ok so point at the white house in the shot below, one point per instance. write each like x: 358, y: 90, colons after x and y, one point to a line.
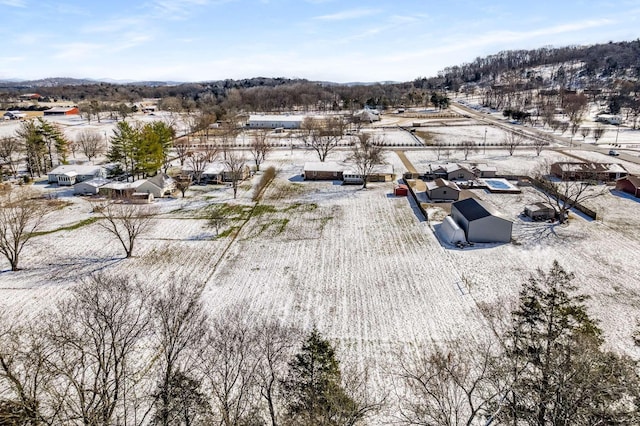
x: 69, y: 174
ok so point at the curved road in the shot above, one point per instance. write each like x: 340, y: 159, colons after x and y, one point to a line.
x: 533, y: 132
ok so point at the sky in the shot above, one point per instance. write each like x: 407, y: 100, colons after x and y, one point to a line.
x: 321, y: 40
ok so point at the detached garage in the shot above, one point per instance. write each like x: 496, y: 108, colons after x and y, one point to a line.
x: 480, y: 222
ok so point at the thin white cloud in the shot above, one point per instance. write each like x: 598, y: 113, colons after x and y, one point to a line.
x: 14, y: 3
x: 181, y: 9
x: 348, y: 14
x: 77, y: 50
x: 112, y: 26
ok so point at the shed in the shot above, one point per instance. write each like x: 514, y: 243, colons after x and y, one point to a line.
x: 89, y: 187
x: 539, y: 211
x: 480, y: 222
x: 629, y: 184
x: 442, y: 190
x: 451, y: 232
x: 401, y: 191
x: 484, y: 170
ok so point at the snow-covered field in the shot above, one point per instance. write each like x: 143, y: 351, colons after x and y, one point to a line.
x: 361, y: 265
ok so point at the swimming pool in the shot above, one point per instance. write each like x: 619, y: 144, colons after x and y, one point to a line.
x: 500, y: 185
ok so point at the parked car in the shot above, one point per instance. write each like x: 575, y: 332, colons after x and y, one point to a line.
x: 613, y: 152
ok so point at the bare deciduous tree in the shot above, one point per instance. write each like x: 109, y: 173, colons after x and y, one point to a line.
x: 598, y: 132
x: 182, y: 147
x: 98, y: 334
x: 25, y: 375
x: 584, y: 132
x: 563, y: 195
x: 180, y: 331
x: 260, y: 147
x: 126, y: 222
x: 322, y: 135
x: 276, y: 344
x: 540, y: 142
x: 468, y: 147
x: 366, y: 155
x: 91, y: 143
x: 235, y: 168
x: 229, y: 365
x: 10, y: 149
x: 512, y: 140
x: 454, y: 385
x: 21, y: 214
x: 183, y: 183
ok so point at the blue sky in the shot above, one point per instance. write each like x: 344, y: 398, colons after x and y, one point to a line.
x: 331, y: 40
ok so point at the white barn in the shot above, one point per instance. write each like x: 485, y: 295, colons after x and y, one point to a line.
x: 480, y: 222
x: 275, y: 121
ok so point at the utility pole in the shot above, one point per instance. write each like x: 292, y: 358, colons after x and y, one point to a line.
x: 484, y: 144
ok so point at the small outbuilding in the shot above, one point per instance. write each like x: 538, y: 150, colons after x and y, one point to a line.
x: 629, y: 184
x: 481, y: 223
x: 401, y: 191
x: 442, y: 190
x: 539, y: 211
x: 450, y: 232
x: 484, y: 170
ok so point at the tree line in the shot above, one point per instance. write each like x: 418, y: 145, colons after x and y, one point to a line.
x: 118, y: 351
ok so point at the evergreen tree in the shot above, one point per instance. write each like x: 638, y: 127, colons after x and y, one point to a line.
x: 557, y: 372
x: 314, y: 391
x: 124, y: 141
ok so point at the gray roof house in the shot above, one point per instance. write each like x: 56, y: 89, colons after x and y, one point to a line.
x: 442, y: 190
x: 160, y: 185
x: 480, y: 222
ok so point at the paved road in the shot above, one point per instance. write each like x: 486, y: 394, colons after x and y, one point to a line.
x: 568, y: 143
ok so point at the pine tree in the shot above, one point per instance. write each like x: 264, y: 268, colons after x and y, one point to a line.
x: 314, y: 392
x: 557, y: 371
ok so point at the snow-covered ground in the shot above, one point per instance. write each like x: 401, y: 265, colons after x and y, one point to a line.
x: 361, y: 265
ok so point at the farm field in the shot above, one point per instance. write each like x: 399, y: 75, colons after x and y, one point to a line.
x: 363, y: 266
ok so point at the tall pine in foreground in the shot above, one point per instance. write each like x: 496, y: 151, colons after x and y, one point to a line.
x: 558, y: 373
x: 314, y: 391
